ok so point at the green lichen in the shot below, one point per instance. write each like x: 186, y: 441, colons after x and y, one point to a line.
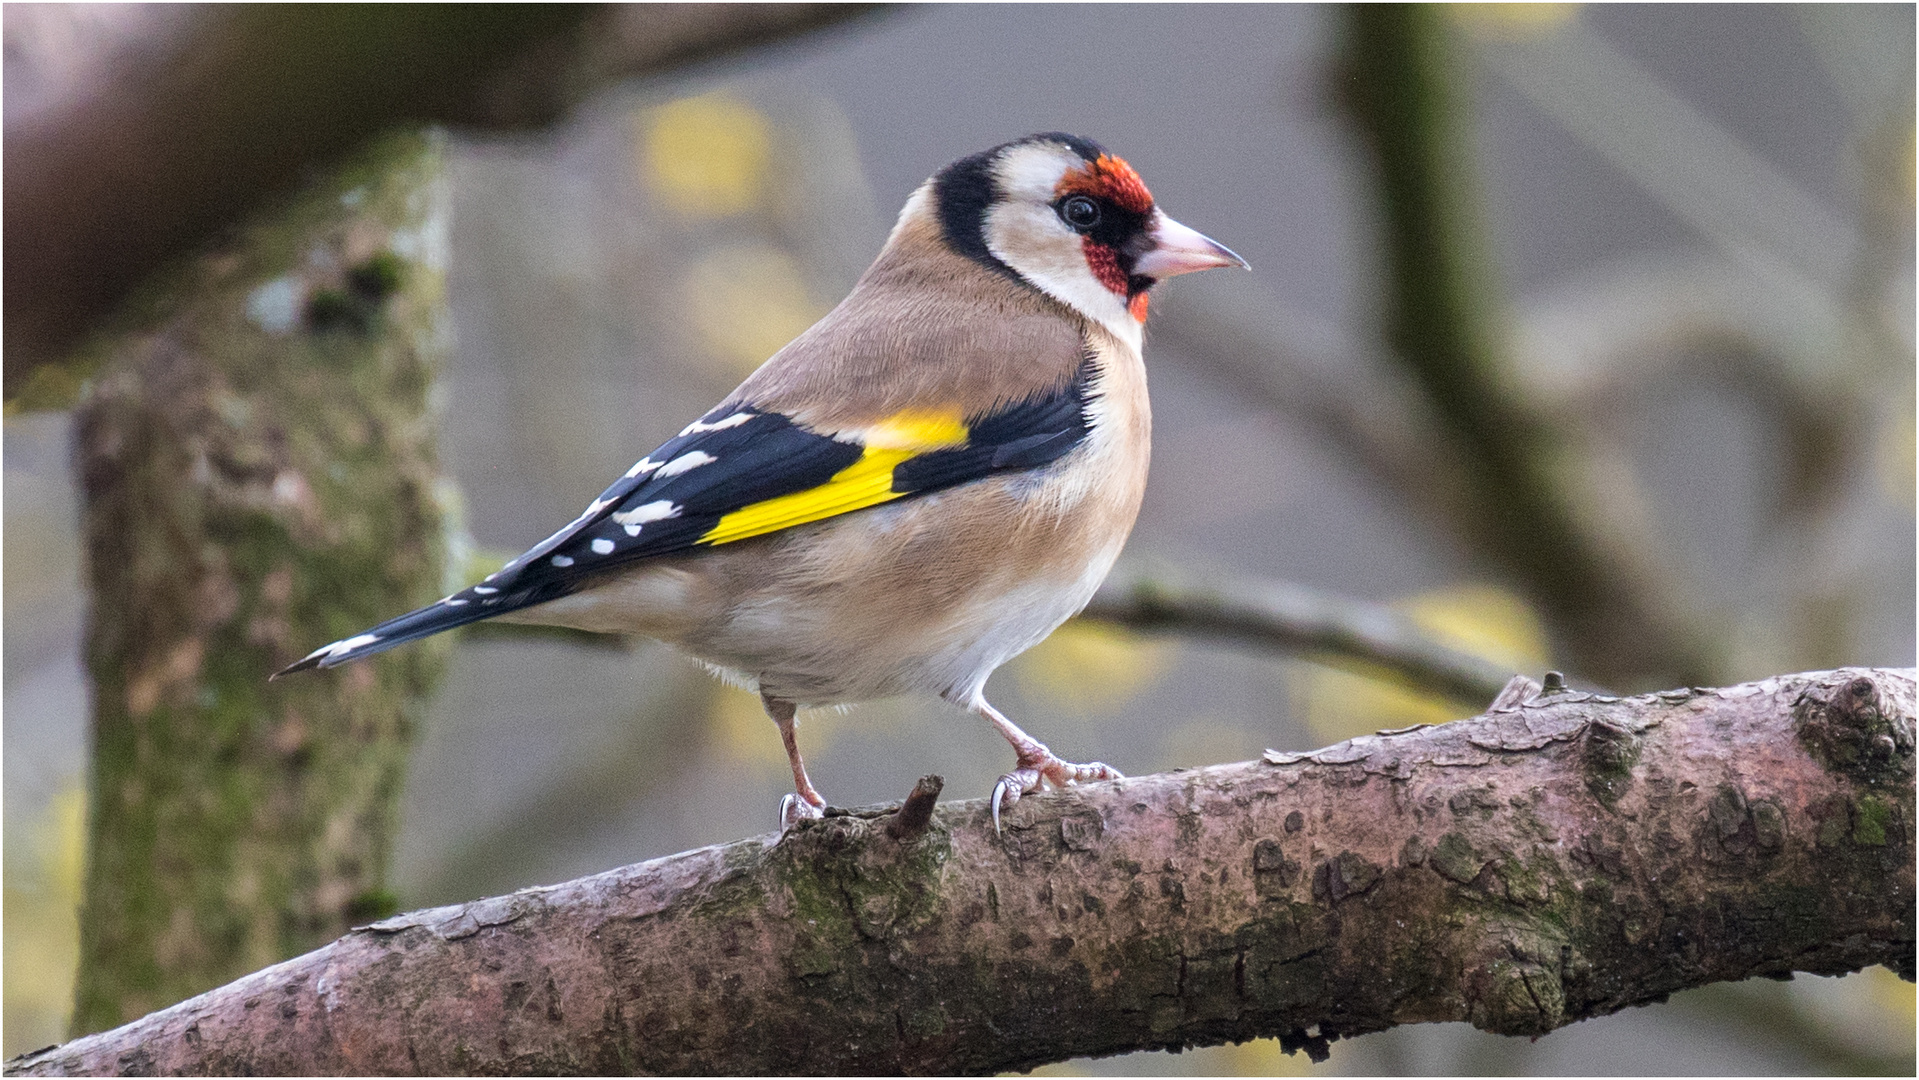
x: 1521, y: 998
x: 1529, y: 879
x: 1347, y: 874
x: 1455, y: 859
x: 1608, y: 756
x: 924, y: 1023
x: 1848, y: 729
x: 1870, y: 818
x: 849, y: 890
x: 382, y: 275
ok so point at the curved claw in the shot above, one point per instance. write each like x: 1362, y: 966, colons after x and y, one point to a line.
x: 1040, y: 773
x: 795, y: 809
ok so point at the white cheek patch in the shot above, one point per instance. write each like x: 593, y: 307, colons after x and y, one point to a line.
x: 1034, y: 242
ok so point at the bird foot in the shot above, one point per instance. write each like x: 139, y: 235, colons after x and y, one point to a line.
x: 1044, y: 770
x: 796, y: 808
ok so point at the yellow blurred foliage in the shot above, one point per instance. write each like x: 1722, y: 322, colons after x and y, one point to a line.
x: 746, y: 301
x: 706, y: 156
x: 1256, y: 1057
x: 747, y: 736
x: 1898, y: 448
x: 1869, y: 1012
x: 1895, y: 1000
x: 1476, y: 619
x: 1263, y: 1057
x: 1512, y: 21
x: 42, y: 924
x: 1088, y: 667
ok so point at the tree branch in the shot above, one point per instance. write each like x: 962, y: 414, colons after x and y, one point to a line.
x: 195, y: 129
x: 1370, y: 639
x: 1563, y: 857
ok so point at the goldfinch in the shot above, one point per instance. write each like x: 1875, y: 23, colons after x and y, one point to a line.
x: 917, y: 489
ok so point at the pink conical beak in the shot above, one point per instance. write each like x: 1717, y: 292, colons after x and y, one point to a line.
x: 1180, y: 250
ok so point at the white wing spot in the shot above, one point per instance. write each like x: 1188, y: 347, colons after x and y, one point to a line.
x: 485, y: 590
x: 562, y: 560
x: 642, y: 466
x: 631, y: 530
x: 685, y: 463
x: 602, y: 547
x: 657, y: 510
x: 341, y: 648
x: 735, y: 420
x: 455, y: 602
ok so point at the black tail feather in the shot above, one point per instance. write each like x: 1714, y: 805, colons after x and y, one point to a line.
x: 466, y: 606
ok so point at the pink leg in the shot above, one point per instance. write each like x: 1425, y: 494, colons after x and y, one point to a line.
x: 804, y: 803
x: 1036, y: 764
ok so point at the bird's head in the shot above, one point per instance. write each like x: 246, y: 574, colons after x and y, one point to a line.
x: 1066, y: 217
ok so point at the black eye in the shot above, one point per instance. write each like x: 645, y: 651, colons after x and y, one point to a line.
x: 1079, y: 212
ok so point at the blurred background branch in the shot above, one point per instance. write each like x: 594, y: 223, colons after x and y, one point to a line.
x: 1369, y: 639
x: 215, y: 110
x: 1620, y: 615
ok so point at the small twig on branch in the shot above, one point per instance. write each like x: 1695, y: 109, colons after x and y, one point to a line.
x: 1368, y: 638
x: 1565, y: 857
x: 916, y: 813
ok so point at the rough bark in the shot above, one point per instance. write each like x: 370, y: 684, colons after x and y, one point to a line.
x: 258, y: 472
x: 196, y: 129
x: 1562, y: 856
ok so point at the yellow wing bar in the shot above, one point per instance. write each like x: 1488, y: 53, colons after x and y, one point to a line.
x: 866, y: 482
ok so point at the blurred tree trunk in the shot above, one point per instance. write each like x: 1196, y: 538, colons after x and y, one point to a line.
x: 1531, y: 511
x: 259, y: 476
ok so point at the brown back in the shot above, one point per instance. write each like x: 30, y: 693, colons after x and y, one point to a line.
x: 925, y: 328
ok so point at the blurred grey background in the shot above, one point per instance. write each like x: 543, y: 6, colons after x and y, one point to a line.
x: 1675, y: 198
